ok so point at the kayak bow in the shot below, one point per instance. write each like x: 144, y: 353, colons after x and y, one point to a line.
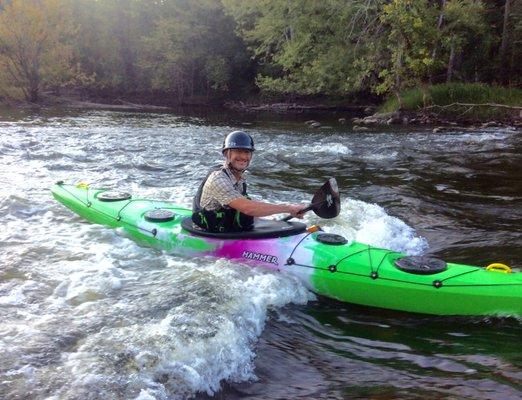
x: 326, y: 263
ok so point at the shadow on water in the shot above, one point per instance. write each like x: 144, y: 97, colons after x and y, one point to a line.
x: 333, y: 350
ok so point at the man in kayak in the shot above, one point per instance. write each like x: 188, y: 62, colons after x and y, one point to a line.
x: 221, y: 203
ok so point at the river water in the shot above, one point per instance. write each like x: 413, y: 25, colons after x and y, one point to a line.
x: 86, y: 313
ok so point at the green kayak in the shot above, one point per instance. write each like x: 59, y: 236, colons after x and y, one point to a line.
x: 327, y: 264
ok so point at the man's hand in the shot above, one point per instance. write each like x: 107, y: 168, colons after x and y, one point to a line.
x: 296, y: 210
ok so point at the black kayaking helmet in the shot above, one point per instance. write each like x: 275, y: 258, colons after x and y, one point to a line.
x: 238, y: 140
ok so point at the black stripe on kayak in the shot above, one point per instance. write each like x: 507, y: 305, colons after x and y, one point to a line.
x: 88, y: 204
x: 403, y: 281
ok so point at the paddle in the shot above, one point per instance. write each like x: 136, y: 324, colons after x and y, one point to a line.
x: 326, y: 202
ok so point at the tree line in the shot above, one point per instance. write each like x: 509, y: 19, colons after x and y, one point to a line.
x: 176, y: 50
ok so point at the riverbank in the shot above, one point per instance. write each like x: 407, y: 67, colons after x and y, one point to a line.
x: 297, y: 107
x: 450, y: 103
x: 162, y: 101
x: 428, y: 118
x: 76, y: 102
x: 440, y: 106
x: 369, y: 117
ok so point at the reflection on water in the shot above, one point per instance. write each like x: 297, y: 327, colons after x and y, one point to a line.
x: 87, y: 313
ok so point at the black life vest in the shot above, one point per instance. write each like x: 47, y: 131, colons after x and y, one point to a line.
x: 225, y: 219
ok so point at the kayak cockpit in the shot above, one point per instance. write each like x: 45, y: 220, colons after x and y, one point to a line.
x: 263, y: 229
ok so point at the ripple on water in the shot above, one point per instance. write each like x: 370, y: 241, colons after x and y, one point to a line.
x: 88, y: 313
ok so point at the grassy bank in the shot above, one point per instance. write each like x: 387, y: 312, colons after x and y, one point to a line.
x: 469, y: 101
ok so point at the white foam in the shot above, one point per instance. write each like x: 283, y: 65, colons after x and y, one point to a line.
x: 91, y: 284
x: 14, y: 296
x: 204, y: 338
x: 322, y: 148
x: 370, y: 224
x: 382, y: 156
x: 145, y: 395
x: 330, y: 148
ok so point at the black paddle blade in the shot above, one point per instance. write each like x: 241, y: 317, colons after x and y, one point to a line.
x: 326, y: 202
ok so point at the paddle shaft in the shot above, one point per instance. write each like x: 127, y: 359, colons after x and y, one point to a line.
x: 289, y: 217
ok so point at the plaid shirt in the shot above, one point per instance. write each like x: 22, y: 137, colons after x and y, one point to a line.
x: 220, y: 189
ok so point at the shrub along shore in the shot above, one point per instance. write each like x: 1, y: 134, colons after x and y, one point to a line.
x: 450, y: 103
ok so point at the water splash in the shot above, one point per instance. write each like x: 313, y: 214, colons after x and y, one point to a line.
x: 370, y: 224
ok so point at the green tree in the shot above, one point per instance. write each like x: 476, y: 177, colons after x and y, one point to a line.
x: 336, y: 47
x: 463, y: 24
x: 182, y: 48
x: 192, y: 49
x: 515, y: 73
x: 510, y: 42
x: 308, y: 47
x: 411, y: 37
x: 35, y: 51
x: 110, y: 40
x: 176, y: 48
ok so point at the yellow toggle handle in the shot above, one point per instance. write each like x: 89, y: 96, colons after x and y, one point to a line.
x: 498, y: 267
x: 82, y: 185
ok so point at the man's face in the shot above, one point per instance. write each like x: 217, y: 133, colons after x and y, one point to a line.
x: 239, y: 159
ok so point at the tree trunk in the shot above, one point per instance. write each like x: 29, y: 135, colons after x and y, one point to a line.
x: 33, y: 95
x: 503, y: 58
x: 399, y: 99
x: 426, y: 101
x: 398, y: 77
x: 192, y: 79
x: 451, y: 62
x: 439, y: 26
x: 33, y: 82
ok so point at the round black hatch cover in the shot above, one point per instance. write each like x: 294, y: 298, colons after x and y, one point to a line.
x: 331, y: 238
x: 159, y: 215
x: 421, y: 265
x: 113, y: 195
